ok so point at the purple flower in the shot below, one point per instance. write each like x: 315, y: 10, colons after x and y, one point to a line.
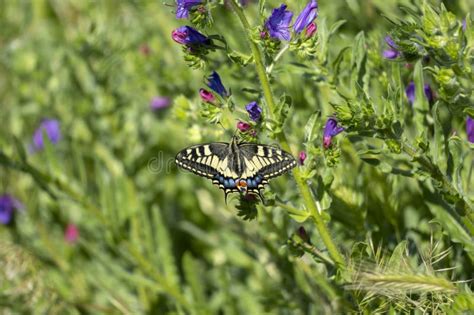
x: 53, y: 133
x: 159, y: 102
x: 464, y: 25
x: 7, y: 205
x: 393, y: 52
x: 428, y: 92
x: 183, y: 7
x: 302, y: 157
x: 214, y: 83
x: 278, y: 23
x: 71, y: 234
x: 206, y: 96
x: 470, y: 129
x: 311, y: 29
x: 255, y: 112
x: 186, y: 35
x: 410, y: 92
x: 306, y: 17
x: 330, y: 130
x: 243, y: 126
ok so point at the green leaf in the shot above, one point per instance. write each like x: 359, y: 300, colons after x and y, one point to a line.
x: 455, y: 145
x: 420, y: 105
x: 309, y: 129
x: 396, y: 261
x: 193, y: 273
x: 436, y: 149
x: 300, y: 217
x: 359, y: 62
x: 20, y: 149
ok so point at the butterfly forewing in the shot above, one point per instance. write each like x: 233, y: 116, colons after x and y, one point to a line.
x: 269, y: 161
x: 204, y: 159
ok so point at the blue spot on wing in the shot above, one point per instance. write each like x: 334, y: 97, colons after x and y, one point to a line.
x: 254, y: 181
x: 228, y: 182
x: 251, y: 183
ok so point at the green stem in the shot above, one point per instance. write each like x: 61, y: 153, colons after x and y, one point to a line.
x: 302, y: 185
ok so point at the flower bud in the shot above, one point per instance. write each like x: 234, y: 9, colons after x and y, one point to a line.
x: 206, y: 96
x: 243, y: 126
x: 302, y: 157
x: 311, y: 29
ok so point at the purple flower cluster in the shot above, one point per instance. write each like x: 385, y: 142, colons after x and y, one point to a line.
x: 278, y: 24
x: 159, y: 102
x: 8, y: 205
x: 331, y: 129
x: 50, y: 127
x: 254, y: 111
x: 183, y: 7
x: 206, y: 96
x: 470, y: 129
x: 243, y: 126
x: 189, y: 36
x: 306, y: 17
x: 214, y: 82
x: 392, y: 52
x: 71, y: 233
x: 410, y: 92
x: 302, y: 157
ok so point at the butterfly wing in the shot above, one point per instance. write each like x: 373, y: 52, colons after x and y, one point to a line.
x: 250, y: 164
x: 205, y: 160
x: 265, y: 160
x: 214, y: 161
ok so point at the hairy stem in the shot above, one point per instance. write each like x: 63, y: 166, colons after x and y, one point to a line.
x: 302, y: 184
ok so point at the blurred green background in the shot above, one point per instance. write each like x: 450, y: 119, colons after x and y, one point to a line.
x: 153, y: 239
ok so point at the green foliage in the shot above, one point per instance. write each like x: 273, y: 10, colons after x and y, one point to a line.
x: 380, y: 221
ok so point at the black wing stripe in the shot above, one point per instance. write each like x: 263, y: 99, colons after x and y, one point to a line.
x: 268, y: 161
x: 198, y: 158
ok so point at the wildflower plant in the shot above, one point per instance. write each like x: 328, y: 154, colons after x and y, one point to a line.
x: 374, y: 101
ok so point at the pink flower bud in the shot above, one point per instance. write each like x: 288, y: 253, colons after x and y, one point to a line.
x: 327, y: 141
x: 206, y: 96
x: 243, y: 126
x: 311, y: 29
x: 71, y: 234
x: 302, y: 157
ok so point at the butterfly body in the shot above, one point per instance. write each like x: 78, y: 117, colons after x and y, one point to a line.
x: 236, y: 167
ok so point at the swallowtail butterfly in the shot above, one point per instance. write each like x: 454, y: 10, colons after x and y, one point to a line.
x: 236, y: 166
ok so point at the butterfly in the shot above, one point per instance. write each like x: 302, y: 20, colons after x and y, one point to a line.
x: 236, y: 166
